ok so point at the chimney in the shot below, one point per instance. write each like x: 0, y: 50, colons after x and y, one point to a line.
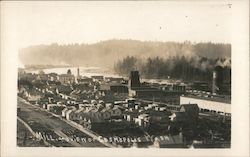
x: 217, y: 79
x: 134, y: 79
x: 78, y: 72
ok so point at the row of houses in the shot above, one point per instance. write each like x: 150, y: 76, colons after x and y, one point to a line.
x: 85, y: 112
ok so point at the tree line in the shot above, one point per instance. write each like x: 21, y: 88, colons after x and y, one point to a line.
x: 185, y: 68
x: 105, y: 53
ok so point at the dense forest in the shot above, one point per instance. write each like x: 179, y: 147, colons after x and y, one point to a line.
x: 106, y: 53
x: 192, y: 68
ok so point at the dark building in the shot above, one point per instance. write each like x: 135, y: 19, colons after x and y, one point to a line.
x: 149, y: 92
x: 134, y: 79
x: 201, y: 86
x: 186, y: 120
x: 114, y: 88
x: 221, y: 80
x: 118, y: 88
x: 191, y: 111
x: 146, y: 92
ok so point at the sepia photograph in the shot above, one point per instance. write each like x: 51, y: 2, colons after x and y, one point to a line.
x: 128, y: 74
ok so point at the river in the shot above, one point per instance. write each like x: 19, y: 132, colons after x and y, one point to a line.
x: 84, y: 71
x: 94, y: 71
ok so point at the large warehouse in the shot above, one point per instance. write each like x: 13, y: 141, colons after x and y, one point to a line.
x: 210, y: 104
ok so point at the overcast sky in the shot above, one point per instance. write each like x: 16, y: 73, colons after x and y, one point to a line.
x: 90, y: 22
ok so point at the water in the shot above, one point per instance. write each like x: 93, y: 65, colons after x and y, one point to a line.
x: 94, y: 71
x: 84, y: 71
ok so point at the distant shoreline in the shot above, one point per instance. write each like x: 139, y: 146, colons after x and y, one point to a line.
x: 40, y: 67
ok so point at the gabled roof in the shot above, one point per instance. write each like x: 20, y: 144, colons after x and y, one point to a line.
x: 178, y: 114
x: 191, y: 108
x: 65, y: 109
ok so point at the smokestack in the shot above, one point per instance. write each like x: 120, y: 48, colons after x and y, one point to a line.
x: 78, y: 72
x: 217, y: 79
x: 134, y: 79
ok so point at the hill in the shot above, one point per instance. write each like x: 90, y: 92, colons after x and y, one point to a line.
x: 106, y: 53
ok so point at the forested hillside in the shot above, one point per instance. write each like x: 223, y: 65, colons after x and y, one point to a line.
x: 106, y: 53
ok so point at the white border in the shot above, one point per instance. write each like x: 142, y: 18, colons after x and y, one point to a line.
x: 240, y: 99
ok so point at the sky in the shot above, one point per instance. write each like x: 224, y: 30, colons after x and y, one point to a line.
x: 66, y: 22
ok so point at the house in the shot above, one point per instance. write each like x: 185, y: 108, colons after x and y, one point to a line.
x: 93, y: 113
x: 70, y: 114
x: 143, y: 120
x: 115, y: 113
x: 129, y: 116
x: 188, y: 113
x: 64, y: 111
x: 49, y: 106
x: 191, y: 110
x: 162, y: 109
x: 130, y: 102
x: 178, y: 117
